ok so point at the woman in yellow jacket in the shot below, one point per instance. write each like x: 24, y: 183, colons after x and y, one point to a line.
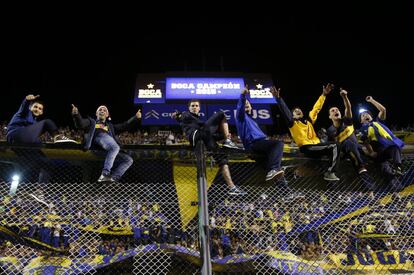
x: 304, y: 134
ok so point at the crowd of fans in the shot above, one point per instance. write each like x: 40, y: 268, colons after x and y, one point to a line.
x: 385, y: 227
x: 142, y: 137
x: 80, y: 229
x: 113, y: 246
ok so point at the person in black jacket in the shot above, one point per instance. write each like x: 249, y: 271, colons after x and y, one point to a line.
x: 342, y: 132
x: 101, y: 132
x: 209, y: 131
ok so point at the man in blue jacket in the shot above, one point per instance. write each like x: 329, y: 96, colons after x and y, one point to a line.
x: 255, y: 140
x: 25, y: 126
x: 100, y: 132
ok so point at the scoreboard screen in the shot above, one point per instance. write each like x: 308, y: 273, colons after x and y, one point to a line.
x: 160, y: 88
x: 149, y: 88
x: 203, y: 88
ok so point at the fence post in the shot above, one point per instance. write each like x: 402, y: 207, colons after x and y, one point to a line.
x: 203, y: 217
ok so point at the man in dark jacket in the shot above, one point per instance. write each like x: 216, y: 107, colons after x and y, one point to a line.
x: 25, y: 126
x: 101, y: 132
x: 342, y: 132
x: 255, y: 140
x: 210, y: 131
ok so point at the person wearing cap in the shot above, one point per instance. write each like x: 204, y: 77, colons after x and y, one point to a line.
x: 381, y: 143
x: 101, y: 133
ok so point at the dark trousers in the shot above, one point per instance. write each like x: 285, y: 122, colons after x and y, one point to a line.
x: 329, y: 149
x: 210, y: 134
x: 392, y: 154
x: 351, y: 149
x: 389, y: 158
x: 31, y: 134
x: 272, y: 149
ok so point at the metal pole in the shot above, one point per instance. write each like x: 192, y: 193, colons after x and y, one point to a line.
x: 203, y: 217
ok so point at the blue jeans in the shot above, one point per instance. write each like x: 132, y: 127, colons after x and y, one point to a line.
x: 121, y: 160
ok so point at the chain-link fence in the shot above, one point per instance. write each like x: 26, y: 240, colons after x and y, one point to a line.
x: 57, y: 219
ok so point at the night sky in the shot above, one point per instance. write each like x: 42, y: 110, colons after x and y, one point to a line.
x: 90, y: 61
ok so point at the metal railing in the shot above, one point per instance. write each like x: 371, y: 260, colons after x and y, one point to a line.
x: 55, y: 216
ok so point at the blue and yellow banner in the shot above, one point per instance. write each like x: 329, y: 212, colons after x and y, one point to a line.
x: 381, y: 262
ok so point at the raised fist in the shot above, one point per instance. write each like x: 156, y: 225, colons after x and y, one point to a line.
x: 327, y: 89
x: 75, y: 110
x: 138, y: 114
x: 342, y: 92
x: 32, y: 97
x: 245, y: 90
x: 275, y: 91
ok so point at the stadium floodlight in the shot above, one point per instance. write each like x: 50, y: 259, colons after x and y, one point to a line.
x: 362, y: 110
x: 14, y: 184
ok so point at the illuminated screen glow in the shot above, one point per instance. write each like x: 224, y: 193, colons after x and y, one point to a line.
x: 203, y: 88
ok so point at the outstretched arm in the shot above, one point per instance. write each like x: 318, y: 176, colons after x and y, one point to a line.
x: 347, y: 103
x: 382, y: 111
x: 242, y: 103
x: 121, y: 127
x: 284, y: 109
x: 177, y: 115
x: 80, y: 123
x: 24, y: 107
x: 313, y: 115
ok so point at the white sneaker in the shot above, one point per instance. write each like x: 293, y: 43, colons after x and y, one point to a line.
x: 104, y: 178
x: 230, y: 144
x: 362, y: 170
x: 237, y: 191
x: 275, y: 173
x: 62, y: 138
x: 330, y: 176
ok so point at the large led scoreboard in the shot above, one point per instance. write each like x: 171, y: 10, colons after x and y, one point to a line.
x: 161, y: 95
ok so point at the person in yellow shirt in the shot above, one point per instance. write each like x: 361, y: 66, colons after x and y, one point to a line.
x: 303, y: 133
